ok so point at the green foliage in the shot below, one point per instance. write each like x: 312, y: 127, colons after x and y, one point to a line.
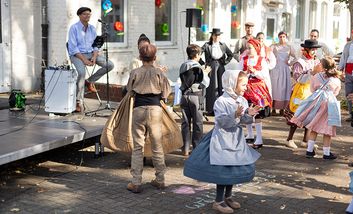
x: 344, y: 105
x: 344, y: 1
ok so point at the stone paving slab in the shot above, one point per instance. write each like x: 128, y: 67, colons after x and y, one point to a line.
x: 70, y: 180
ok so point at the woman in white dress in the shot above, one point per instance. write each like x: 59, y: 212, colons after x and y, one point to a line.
x: 281, y: 74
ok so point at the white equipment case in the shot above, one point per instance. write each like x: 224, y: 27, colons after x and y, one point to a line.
x: 60, y: 90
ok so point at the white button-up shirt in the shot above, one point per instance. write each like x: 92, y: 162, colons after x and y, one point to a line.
x: 216, y: 51
x: 81, y: 39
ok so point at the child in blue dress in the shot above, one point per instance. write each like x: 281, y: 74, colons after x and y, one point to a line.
x: 223, y: 157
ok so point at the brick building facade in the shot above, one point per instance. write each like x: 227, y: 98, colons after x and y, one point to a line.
x: 21, y: 47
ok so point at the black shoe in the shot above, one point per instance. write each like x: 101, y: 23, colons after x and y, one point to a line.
x: 329, y: 157
x: 144, y: 161
x: 249, y: 140
x: 350, y: 164
x: 310, y: 154
x: 209, y: 113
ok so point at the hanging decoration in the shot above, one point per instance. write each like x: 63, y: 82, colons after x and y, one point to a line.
x: 120, y: 33
x: 201, y: 8
x: 165, y: 29
x: 235, y: 24
x: 233, y: 9
x: 107, y: 7
x: 204, y: 28
x: 158, y: 3
x: 118, y: 26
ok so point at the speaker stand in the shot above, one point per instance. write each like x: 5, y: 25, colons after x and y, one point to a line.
x: 189, y: 36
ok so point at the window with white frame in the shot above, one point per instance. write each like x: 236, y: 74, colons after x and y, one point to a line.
x: 312, y: 14
x: 202, y: 34
x: 113, y: 13
x: 236, y: 19
x: 270, y: 28
x: 299, y: 28
x: 0, y: 26
x: 323, y: 19
x: 336, y: 19
x: 286, y: 23
x: 163, y: 20
x: 336, y: 10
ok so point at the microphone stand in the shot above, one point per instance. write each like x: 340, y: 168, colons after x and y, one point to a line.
x: 105, y: 39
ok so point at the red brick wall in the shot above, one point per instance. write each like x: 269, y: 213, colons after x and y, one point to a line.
x: 115, y: 92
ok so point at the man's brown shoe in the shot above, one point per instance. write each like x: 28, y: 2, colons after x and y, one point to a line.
x: 158, y: 185
x: 90, y: 87
x: 134, y: 188
x: 78, y: 107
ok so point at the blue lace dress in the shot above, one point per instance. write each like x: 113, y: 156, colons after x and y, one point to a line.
x: 223, y: 157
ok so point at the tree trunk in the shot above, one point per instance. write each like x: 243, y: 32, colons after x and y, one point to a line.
x: 350, y: 7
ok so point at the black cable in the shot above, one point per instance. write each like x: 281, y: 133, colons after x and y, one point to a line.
x: 39, y: 104
x: 57, y: 79
x: 16, y: 130
x: 37, y: 111
x: 79, y: 124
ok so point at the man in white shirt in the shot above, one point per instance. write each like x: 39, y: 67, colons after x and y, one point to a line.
x: 346, y: 64
x: 240, y: 46
x: 324, y: 50
x: 80, y: 44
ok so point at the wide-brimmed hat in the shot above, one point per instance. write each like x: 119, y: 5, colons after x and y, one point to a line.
x: 216, y: 31
x: 310, y: 43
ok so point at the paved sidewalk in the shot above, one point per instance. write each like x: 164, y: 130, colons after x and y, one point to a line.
x: 69, y: 180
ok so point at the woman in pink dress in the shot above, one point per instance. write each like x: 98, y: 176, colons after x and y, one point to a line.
x: 280, y: 75
x: 319, y: 112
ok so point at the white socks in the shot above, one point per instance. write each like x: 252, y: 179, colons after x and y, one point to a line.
x: 258, y: 127
x: 326, y: 150
x: 250, y: 134
x: 311, y: 145
x: 350, y: 207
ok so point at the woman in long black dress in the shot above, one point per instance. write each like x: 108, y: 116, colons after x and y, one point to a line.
x: 217, y: 55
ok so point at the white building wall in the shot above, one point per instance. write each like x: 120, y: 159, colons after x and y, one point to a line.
x: 57, y: 31
x: 140, y: 19
x: 26, y: 44
x: 344, y: 28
